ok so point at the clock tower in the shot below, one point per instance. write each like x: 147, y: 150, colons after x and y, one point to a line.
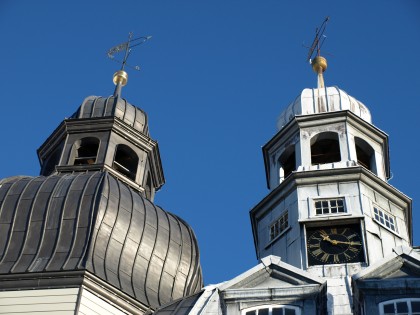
x: 330, y: 209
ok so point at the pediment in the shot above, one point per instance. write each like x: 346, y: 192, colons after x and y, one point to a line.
x: 403, y: 264
x: 272, y: 273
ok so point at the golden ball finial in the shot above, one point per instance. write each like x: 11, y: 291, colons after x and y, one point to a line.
x: 120, y: 78
x: 319, y: 64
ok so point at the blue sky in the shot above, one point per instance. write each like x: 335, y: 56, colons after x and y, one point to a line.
x: 214, y: 78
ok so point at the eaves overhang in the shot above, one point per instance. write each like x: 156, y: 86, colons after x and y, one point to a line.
x: 302, y: 292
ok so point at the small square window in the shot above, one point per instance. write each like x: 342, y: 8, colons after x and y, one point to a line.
x: 329, y: 206
x: 384, y: 218
x: 279, y: 225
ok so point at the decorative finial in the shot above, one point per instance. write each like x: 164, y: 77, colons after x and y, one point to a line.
x: 319, y: 63
x: 121, y: 77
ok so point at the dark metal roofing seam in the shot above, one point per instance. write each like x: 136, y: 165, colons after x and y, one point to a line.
x: 124, y: 101
x: 54, y: 222
x: 127, y: 253
x: 95, y: 101
x: 82, y: 110
x: 3, y: 231
x: 61, y: 228
x: 33, y: 265
x: 19, y: 184
x: 339, y: 97
x: 179, y: 252
x: 187, y: 286
x: 165, y: 259
x: 110, y: 106
x: 38, y: 217
x: 119, y: 221
x: 149, y: 289
x: 189, y: 257
x: 94, y: 201
x: 76, y: 224
x: 135, y: 121
x: 105, y: 107
x: 195, y: 275
x: 12, y: 233
x: 144, y: 291
x: 17, y: 266
x: 111, y: 271
x: 94, y: 260
x: 109, y: 219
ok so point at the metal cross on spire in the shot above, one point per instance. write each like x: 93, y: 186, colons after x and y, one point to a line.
x: 319, y: 63
x: 121, y: 77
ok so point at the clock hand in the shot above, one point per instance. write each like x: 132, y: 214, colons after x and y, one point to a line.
x: 335, y: 242
x: 327, y: 238
x: 348, y: 243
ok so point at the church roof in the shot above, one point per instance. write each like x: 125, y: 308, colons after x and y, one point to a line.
x: 321, y: 100
x: 113, y: 106
x: 92, y: 221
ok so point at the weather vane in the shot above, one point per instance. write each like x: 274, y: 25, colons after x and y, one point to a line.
x: 127, y: 46
x: 121, y: 77
x: 319, y: 63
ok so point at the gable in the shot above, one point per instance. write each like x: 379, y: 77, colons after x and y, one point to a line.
x: 405, y: 264
x: 273, y: 276
x: 396, y: 276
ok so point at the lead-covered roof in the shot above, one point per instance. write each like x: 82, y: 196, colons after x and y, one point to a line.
x: 113, y: 106
x: 94, y: 222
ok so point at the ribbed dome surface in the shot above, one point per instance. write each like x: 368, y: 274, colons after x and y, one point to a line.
x: 94, y: 222
x: 329, y: 99
x: 97, y: 106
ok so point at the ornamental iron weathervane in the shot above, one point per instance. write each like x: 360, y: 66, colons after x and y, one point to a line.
x: 121, y: 77
x: 319, y: 63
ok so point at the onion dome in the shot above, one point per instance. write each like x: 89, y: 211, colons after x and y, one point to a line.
x: 321, y: 100
x: 95, y: 223
x: 113, y: 106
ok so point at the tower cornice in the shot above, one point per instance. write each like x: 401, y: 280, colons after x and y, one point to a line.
x: 325, y: 176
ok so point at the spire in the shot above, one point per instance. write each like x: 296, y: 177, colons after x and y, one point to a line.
x: 121, y: 77
x: 319, y: 63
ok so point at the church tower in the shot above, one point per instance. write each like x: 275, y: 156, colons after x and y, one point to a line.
x: 330, y: 210
x: 85, y: 237
x: 332, y: 236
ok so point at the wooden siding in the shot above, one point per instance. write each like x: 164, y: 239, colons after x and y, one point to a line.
x: 91, y: 304
x: 50, y: 301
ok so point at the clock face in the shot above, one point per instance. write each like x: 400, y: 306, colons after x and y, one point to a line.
x: 334, y: 245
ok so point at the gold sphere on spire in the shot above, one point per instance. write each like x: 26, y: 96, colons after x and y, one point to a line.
x: 319, y: 64
x: 120, y: 78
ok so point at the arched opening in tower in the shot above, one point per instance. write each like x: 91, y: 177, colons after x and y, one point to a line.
x: 86, y: 151
x: 325, y: 148
x: 126, y: 161
x: 287, y: 163
x: 365, y: 154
